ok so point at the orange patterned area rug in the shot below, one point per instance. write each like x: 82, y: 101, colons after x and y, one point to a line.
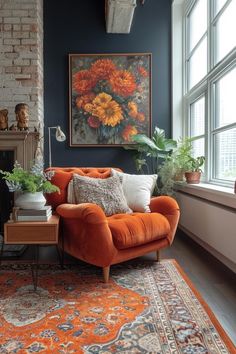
x: 145, y: 308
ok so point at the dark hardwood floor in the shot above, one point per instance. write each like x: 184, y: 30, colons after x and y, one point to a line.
x: 215, y: 282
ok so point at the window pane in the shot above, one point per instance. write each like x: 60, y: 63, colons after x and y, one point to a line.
x: 199, y: 149
x: 197, y: 117
x: 198, y: 64
x: 197, y: 22
x: 225, y: 32
x: 225, y: 155
x: 218, y: 5
x: 225, y: 99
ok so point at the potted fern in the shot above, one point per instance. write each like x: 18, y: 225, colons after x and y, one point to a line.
x: 31, y: 185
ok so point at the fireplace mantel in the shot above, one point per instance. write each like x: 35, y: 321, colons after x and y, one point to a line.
x: 23, y: 143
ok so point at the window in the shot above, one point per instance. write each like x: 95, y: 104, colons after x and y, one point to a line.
x: 210, y: 85
x: 197, y: 126
x: 224, y: 129
x: 197, y: 42
x: 225, y: 29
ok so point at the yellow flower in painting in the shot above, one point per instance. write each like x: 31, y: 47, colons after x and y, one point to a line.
x: 102, y: 99
x: 133, y: 110
x: 89, y: 107
x: 128, y: 132
x: 109, y: 114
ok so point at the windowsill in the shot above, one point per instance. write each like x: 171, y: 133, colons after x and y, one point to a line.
x: 216, y: 194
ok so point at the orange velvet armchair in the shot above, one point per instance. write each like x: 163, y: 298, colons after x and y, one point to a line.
x: 88, y: 234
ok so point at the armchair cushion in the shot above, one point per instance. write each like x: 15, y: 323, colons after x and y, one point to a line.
x: 137, y: 229
x: 107, y: 193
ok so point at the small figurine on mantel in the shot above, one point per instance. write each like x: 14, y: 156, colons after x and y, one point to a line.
x: 4, y: 119
x: 22, y: 116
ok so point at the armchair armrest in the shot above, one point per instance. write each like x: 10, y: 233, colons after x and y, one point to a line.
x: 168, y: 207
x: 88, y: 212
x: 86, y: 233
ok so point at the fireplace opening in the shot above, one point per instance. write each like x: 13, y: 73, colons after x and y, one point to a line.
x: 20, y: 146
x: 6, y: 198
x: 7, y: 159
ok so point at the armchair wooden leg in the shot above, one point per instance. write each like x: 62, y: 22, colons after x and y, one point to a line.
x: 106, y: 271
x: 158, y: 253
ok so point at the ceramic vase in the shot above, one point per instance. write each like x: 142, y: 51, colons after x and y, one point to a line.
x: 30, y: 200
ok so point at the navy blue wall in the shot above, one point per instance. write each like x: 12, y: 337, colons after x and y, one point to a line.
x: 76, y: 26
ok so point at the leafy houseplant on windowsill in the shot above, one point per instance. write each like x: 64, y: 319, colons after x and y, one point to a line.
x: 193, y: 171
x: 32, y: 184
x: 174, y: 166
x: 178, y: 164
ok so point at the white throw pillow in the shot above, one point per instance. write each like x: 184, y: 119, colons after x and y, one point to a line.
x: 137, y: 189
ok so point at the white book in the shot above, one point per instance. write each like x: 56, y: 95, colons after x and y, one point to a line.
x: 35, y: 212
x: 34, y: 217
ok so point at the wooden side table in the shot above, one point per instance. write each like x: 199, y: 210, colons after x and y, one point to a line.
x: 33, y: 233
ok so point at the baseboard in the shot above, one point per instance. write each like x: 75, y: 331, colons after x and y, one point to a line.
x: 227, y: 262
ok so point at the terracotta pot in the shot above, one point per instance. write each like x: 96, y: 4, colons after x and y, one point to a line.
x: 193, y: 177
x: 30, y: 200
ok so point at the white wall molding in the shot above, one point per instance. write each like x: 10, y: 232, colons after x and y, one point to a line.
x: 231, y: 265
x: 211, y: 225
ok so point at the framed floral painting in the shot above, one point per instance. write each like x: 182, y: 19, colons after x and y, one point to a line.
x: 110, y: 98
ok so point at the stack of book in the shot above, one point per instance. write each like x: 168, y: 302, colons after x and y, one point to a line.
x: 33, y: 214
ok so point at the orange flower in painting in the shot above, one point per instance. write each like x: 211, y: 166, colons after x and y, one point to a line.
x: 128, y: 132
x: 109, y: 114
x: 140, y: 117
x: 133, y: 110
x: 81, y: 101
x: 102, y: 99
x: 123, y: 83
x: 143, y: 72
x: 84, y: 81
x: 102, y: 68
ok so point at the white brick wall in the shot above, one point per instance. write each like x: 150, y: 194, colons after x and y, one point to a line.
x: 21, y: 58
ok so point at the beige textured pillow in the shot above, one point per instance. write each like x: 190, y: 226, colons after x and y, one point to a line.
x: 107, y: 193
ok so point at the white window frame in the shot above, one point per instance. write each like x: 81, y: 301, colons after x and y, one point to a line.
x: 212, y: 129
x: 181, y: 102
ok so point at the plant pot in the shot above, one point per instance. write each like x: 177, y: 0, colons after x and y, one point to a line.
x: 193, y: 177
x: 179, y: 176
x: 30, y: 200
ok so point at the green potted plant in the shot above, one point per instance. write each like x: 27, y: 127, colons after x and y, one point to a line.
x: 173, y: 167
x: 193, y: 170
x: 32, y: 184
x: 176, y: 164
